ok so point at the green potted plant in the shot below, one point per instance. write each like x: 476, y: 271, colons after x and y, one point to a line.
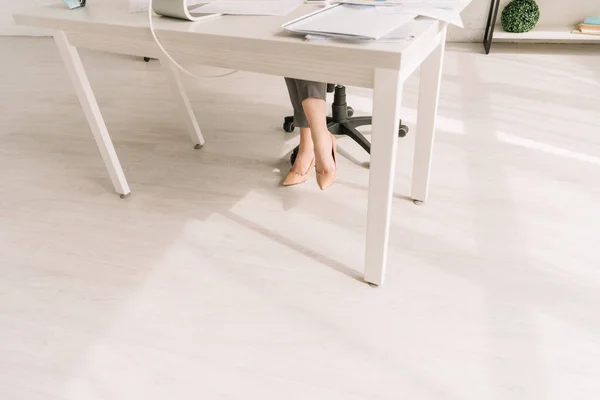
x: 520, y: 16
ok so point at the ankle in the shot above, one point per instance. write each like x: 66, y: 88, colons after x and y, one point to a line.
x: 306, y: 146
x: 319, y: 136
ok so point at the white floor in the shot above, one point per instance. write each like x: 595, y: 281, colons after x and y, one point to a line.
x: 212, y: 282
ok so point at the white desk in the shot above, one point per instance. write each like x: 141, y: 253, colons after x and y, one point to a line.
x: 258, y: 44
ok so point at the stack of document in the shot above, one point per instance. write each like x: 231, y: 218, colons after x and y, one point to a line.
x: 348, y: 22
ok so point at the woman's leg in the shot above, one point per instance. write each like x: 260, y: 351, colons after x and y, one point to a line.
x: 315, y: 111
x: 306, y: 149
x: 308, y: 99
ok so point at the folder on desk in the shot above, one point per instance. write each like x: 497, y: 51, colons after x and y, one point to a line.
x: 348, y: 21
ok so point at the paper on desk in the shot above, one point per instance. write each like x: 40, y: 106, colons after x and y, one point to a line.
x: 452, y: 16
x: 401, y: 34
x: 354, y: 40
x: 251, y: 7
x: 344, y: 20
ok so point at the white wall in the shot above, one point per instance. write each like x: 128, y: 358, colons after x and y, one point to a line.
x: 552, y: 13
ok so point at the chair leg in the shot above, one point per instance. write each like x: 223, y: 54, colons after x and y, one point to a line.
x: 336, y: 128
x: 354, y: 134
x: 355, y: 122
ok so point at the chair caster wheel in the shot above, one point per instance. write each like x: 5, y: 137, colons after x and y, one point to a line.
x: 350, y: 112
x: 147, y: 59
x: 289, y: 127
x: 124, y: 196
x: 293, y: 156
x: 288, y: 124
x: 402, y: 131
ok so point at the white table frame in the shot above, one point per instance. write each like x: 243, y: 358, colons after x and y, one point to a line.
x: 427, y: 51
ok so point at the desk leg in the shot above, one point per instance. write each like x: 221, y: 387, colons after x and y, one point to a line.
x: 72, y: 62
x: 183, y: 103
x: 429, y: 94
x: 386, y: 116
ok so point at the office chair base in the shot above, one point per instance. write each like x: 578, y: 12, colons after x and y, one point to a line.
x: 348, y: 128
x: 342, y: 122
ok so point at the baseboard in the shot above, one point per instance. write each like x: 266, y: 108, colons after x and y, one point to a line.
x: 465, y: 34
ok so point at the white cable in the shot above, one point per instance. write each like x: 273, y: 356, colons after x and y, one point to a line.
x: 160, y: 46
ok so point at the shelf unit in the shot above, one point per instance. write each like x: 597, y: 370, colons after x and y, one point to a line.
x: 552, y: 34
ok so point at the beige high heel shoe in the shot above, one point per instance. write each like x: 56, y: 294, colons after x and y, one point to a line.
x: 326, y: 179
x: 294, y: 178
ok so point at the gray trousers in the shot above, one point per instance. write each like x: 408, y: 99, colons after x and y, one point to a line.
x: 301, y: 90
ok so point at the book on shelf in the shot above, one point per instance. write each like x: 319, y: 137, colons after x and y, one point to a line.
x: 587, y: 29
x: 592, y: 21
